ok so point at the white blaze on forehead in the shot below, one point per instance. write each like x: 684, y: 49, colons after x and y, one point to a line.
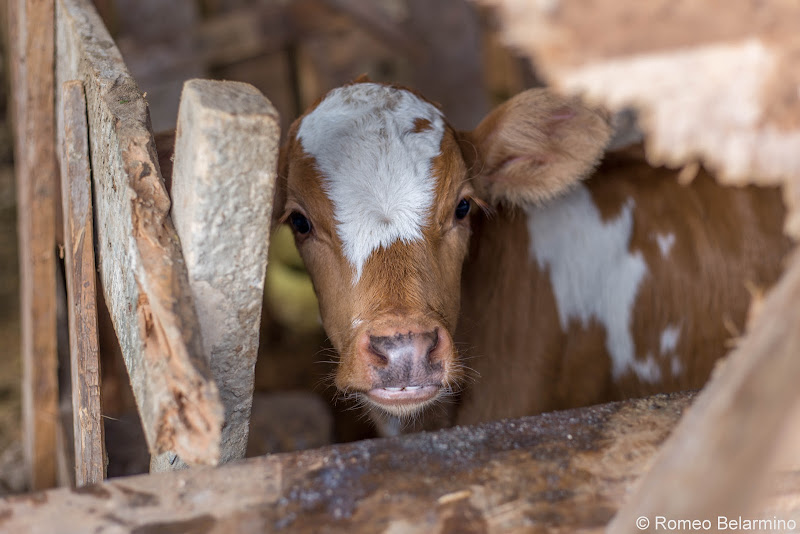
x: 592, y: 272
x: 377, y: 170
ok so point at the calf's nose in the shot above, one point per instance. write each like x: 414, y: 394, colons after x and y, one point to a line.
x: 404, y: 351
x: 406, y: 368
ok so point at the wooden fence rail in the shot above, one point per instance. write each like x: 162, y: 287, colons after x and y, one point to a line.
x: 561, y: 472
x: 143, y: 272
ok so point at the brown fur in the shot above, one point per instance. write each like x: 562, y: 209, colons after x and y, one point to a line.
x: 534, y: 147
x: 421, y: 125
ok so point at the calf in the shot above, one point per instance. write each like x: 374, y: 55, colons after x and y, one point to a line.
x: 561, y: 292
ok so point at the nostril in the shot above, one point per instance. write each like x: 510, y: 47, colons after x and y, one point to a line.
x: 380, y: 355
x: 433, y: 345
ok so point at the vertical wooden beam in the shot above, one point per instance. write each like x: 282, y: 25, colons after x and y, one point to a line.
x: 226, y: 151
x: 76, y: 196
x: 32, y: 63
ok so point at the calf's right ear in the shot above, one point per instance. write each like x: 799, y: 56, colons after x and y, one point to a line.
x: 534, y: 147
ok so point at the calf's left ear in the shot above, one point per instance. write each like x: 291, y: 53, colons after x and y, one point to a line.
x: 534, y: 147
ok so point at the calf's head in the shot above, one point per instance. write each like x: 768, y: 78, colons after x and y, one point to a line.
x: 379, y: 191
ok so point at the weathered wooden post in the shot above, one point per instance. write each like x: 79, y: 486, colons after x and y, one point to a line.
x: 223, y: 178
x: 31, y: 61
x: 76, y: 197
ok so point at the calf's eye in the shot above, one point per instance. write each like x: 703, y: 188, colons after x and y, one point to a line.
x: 300, y: 223
x: 462, y: 210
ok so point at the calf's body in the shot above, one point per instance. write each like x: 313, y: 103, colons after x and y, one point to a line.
x: 480, y: 269
x: 630, y: 284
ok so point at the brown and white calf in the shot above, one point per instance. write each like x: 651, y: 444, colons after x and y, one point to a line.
x: 560, y: 292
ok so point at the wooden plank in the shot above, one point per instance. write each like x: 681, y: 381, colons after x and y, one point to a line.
x: 31, y: 47
x: 76, y: 196
x: 223, y: 178
x: 563, y: 472
x: 142, y: 270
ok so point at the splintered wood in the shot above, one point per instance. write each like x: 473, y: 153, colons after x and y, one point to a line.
x: 76, y: 196
x: 142, y: 269
x: 714, y: 81
x: 31, y: 61
x: 223, y: 177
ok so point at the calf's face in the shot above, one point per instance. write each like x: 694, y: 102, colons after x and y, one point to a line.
x: 379, y: 191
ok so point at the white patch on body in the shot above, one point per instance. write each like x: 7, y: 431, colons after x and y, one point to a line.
x: 592, y: 272
x: 669, y: 339
x: 669, y: 342
x: 377, y: 171
x: 647, y: 370
x: 665, y: 242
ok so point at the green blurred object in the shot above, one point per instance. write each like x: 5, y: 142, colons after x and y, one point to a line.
x: 288, y: 291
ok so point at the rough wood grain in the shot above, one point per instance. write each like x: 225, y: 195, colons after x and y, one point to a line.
x: 712, y: 81
x: 561, y: 472
x: 142, y: 270
x: 76, y: 196
x: 564, y: 472
x: 31, y: 61
x: 223, y: 177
